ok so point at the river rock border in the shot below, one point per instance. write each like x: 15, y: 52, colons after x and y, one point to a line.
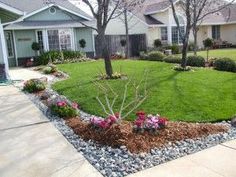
x: 120, y: 162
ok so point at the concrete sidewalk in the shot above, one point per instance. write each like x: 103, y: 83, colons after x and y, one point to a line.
x: 218, y: 161
x: 30, y: 146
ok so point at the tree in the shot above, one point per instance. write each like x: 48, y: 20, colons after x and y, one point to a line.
x: 208, y: 43
x: 35, y: 47
x: 103, y: 11
x: 203, y: 8
x: 194, y: 12
x: 129, y: 8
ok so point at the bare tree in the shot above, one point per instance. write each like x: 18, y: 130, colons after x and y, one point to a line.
x: 203, y: 8
x: 103, y: 11
x: 194, y: 12
x: 129, y: 9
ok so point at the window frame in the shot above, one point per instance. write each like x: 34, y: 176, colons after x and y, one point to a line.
x: 216, y: 32
x: 72, y: 47
x: 37, y: 40
x: 177, y: 33
x: 164, y: 33
x: 11, y: 43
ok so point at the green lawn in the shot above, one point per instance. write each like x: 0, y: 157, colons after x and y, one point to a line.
x: 220, y: 53
x: 200, y: 96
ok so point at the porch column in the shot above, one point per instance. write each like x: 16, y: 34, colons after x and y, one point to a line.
x: 4, y: 50
x: 169, y: 31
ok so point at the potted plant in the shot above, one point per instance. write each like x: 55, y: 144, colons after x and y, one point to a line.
x: 35, y: 47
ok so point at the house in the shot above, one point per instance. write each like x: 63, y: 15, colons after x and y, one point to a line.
x: 55, y: 26
x: 155, y: 19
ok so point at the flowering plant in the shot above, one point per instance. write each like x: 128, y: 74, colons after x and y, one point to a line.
x: 64, y: 110
x: 149, y: 122
x: 101, y: 123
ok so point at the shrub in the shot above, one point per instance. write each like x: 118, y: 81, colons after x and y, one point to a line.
x: 225, y: 64
x: 180, y: 68
x: 174, y: 48
x: 59, y: 57
x: 191, y: 46
x: 143, y: 55
x: 172, y: 59
x: 50, y: 69
x: 34, y: 85
x: 155, y: 56
x: 157, y: 43
x: 197, y: 61
x: 64, y: 110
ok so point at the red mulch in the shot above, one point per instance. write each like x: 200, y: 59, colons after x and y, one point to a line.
x: 122, y: 135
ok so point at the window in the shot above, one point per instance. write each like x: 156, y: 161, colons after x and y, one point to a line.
x: 59, y: 39
x: 176, y: 36
x: 164, y: 35
x: 65, y: 39
x: 9, y: 43
x: 52, y: 10
x: 216, y: 32
x: 40, y: 41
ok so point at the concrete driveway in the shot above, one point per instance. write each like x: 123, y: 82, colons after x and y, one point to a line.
x: 30, y: 146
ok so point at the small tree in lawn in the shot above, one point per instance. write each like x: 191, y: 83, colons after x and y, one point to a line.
x: 35, y: 47
x: 208, y: 43
x: 82, y: 44
x: 157, y: 43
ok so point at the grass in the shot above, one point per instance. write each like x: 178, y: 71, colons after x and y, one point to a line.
x: 219, y: 53
x: 204, y: 95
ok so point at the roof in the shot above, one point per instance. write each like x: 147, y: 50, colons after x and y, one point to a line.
x: 152, y: 21
x: 29, y: 6
x: 46, y: 24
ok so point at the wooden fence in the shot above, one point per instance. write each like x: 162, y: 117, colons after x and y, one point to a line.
x: 137, y: 43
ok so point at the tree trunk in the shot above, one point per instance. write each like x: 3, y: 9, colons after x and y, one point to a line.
x: 185, y: 48
x: 103, y: 52
x: 195, y: 42
x: 126, y: 34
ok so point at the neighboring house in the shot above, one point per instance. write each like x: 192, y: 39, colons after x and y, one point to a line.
x: 55, y: 26
x: 155, y: 19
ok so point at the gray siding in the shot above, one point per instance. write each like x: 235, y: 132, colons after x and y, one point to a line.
x: 24, y: 40
x: 87, y: 35
x: 47, y: 16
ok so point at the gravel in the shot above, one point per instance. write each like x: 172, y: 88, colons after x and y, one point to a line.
x: 120, y: 162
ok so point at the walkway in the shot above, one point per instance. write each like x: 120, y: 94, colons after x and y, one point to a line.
x: 218, y: 161
x: 30, y: 146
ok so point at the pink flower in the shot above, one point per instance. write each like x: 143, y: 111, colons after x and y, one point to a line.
x: 163, y: 121
x: 61, y: 103
x: 112, y: 119
x: 75, y: 105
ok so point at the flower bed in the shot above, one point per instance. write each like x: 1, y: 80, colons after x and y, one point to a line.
x: 123, y: 134
x: 120, y: 161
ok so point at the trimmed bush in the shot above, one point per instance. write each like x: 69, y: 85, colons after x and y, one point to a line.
x: 197, y: 61
x: 34, y: 85
x: 225, y: 64
x: 172, y: 59
x: 155, y: 56
x: 50, y: 69
x: 176, y: 49
x: 55, y: 56
x: 157, y: 43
